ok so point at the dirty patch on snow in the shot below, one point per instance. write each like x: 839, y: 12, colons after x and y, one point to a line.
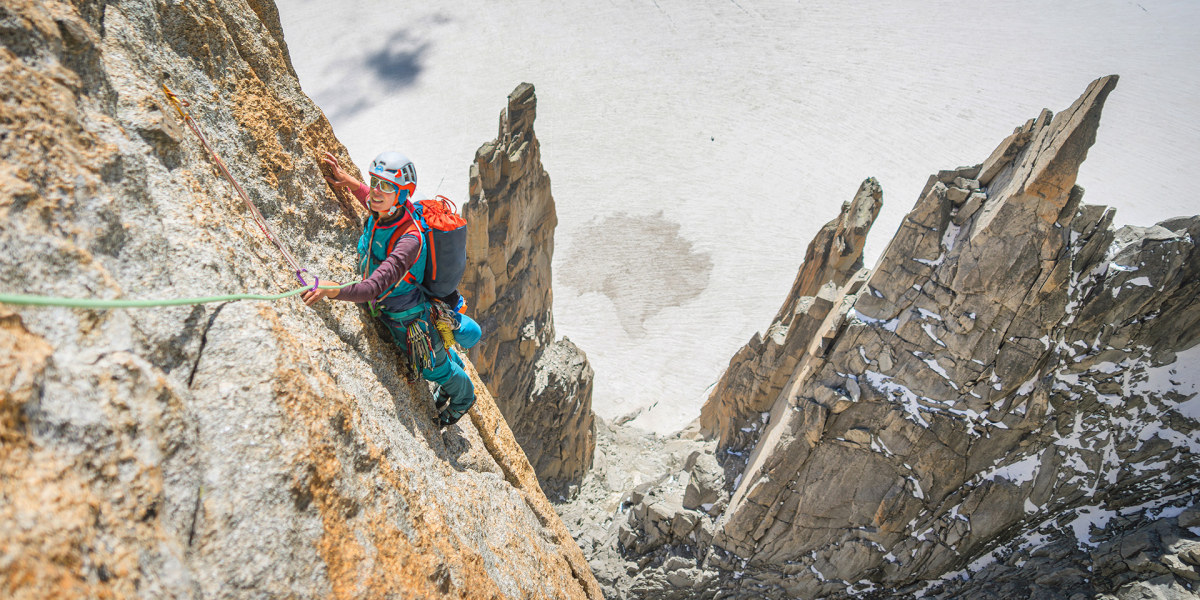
x: 641, y: 263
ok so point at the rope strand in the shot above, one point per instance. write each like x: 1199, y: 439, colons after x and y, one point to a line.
x: 95, y: 303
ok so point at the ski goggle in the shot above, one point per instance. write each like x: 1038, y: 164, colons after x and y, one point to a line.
x: 383, y: 185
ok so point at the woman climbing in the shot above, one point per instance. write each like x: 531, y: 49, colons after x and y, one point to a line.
x: 392, y: 255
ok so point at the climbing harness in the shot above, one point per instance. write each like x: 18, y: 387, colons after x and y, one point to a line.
x: 417, y: 341
x: 179, y: 104
x: 30, y: 300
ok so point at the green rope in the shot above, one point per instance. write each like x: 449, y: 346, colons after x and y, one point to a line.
x: 29, y: 300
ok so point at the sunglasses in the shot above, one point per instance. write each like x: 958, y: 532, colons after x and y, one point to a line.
x: 383, y: 185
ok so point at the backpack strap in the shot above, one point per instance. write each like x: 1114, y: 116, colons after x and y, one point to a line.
x: 432, y: 261
x: 418, y: 217
x: 398, y: 233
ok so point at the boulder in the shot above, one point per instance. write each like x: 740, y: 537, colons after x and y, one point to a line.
x: 706, y: 482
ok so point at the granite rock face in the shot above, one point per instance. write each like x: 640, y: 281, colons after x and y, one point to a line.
x: 1139, y: 558
x: 1000, y: 369
x: 1005, y: 406
x: 219, y: 450
x: 543, y: 386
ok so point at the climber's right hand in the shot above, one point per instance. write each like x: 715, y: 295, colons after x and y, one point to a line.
x: 340, y: 178
x: 313, y: 296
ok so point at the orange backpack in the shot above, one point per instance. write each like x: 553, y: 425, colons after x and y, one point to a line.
x: 446, y: 237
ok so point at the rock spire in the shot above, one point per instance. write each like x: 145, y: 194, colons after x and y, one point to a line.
x: 1006, y: 405
x: 543, y: 386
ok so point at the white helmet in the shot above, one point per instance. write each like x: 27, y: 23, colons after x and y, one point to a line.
x: 395, y: 169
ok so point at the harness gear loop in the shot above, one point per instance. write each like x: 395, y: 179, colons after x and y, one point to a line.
x: 179, y: 104
x: 444, y: 322
x: 420, y: 347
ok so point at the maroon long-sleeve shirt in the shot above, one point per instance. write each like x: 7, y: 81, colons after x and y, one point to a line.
x: 397, y: 263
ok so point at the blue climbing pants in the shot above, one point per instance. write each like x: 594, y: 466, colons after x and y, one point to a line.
x: 468, y: 332
x: 447, y: 368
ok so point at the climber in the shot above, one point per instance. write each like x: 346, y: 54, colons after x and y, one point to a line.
x: 391, y: 280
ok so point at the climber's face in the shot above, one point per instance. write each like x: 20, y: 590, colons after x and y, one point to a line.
x: 384, y: 194
x: 382, y: 201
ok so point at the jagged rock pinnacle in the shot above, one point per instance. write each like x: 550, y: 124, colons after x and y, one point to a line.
x: 543, y: 386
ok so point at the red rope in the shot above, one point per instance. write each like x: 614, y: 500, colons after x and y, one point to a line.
x: 179, y: 105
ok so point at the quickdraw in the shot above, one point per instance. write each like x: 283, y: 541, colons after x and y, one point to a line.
x: 420, y: 347
x: 180, y: 104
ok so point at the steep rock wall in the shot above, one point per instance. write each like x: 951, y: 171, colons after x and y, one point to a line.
x: 543, y: 386
x: 998, y: 370
x: 230, y: 449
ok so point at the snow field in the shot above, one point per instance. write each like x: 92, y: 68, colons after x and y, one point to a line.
x: 747, y: 124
